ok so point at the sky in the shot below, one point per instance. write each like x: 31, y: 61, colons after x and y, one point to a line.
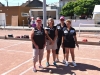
x: 19, y: 2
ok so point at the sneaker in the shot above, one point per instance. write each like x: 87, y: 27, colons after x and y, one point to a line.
x: 47, y: 64
x: 54, y: 64
x: 34, y: 69
x: 74, y: 64
x: 66, y: 63
x: 41, y: 67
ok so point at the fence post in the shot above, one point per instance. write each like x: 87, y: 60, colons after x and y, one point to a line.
x: 23, y: 24
x: 79, y: 29
x: 4, y: 24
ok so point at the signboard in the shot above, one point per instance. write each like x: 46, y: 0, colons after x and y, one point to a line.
x: 24, y: 14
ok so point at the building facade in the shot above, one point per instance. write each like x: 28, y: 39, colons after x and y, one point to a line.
x: 15, y: 11
x: 2, y: 5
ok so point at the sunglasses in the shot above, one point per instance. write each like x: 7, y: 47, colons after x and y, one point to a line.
x: 38, y: 20
x: 61, y: 19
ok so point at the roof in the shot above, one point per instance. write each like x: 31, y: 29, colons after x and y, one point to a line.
x: 1, y: 5
x: 33, y: 3
x: 25, y: 4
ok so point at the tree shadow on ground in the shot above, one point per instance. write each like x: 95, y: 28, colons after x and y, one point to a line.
x: 61, y: 69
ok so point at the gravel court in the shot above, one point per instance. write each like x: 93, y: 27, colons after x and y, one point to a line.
x: 86, y: 57
x: 88, y: 63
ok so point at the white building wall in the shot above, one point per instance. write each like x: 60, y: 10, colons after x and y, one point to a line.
x: 2, y: 19
x: 75, y: 23
x: 63, y: 2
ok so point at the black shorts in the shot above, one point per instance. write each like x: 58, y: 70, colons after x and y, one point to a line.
x: 69, y: 44
x: 59, y: 41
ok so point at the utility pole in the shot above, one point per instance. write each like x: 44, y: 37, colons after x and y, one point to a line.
x: 18, y: 4
x: 44, y: 13
x: 29, y: 2
x: 7, y: 2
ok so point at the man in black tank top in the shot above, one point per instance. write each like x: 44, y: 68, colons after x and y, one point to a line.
x: 59, y: 39
x: 38, y: 43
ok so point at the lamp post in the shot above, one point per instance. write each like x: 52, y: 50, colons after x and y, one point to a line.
x: 44, y: 13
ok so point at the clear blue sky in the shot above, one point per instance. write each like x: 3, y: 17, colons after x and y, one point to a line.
x: 16, y: 2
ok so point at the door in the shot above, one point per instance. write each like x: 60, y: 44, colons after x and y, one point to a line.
x: 2, y: 19
x: 14, y: 21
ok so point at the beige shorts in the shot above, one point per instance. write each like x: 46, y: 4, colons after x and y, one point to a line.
x: 48, y: 46
x: 37, y: 54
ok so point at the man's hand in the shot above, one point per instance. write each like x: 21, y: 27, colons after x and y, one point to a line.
x: 36, y: 46
x: 44, y: 46
x: 51, y: 42
x: 77, y: 46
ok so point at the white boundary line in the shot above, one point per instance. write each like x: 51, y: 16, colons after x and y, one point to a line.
x: 32, y: 67
x: 12, y: 45
x: 85, y: 58
x: 88, y: 59
x: 15, y: 51
x: 16, y: 67
x: 8, y: 41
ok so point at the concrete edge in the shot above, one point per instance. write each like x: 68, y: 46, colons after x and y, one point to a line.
x: 24, y: 39
x: 89, y: 43
x: 31, y: 29
x: 8, y: 38
x: 15, y: 29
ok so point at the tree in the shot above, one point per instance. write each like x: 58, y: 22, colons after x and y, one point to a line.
x: 84, y: 7
x: 79, y: 7
x: 68, y: 9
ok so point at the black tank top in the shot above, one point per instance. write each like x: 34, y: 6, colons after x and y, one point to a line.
x: 51, y: 31
x: 39, y: 37
x: 68, y: 34
x: 60, y: 30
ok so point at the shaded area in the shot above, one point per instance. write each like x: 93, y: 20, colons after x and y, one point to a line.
x: 62, y: 70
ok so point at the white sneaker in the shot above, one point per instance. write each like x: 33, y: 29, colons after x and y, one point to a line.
x: 41, y: 67
x: 66, y: 63
x: 74, y: 64
x: 34, y: 69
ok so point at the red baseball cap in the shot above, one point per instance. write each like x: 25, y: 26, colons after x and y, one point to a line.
x: 62, y: 18
x: 38, y: 19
